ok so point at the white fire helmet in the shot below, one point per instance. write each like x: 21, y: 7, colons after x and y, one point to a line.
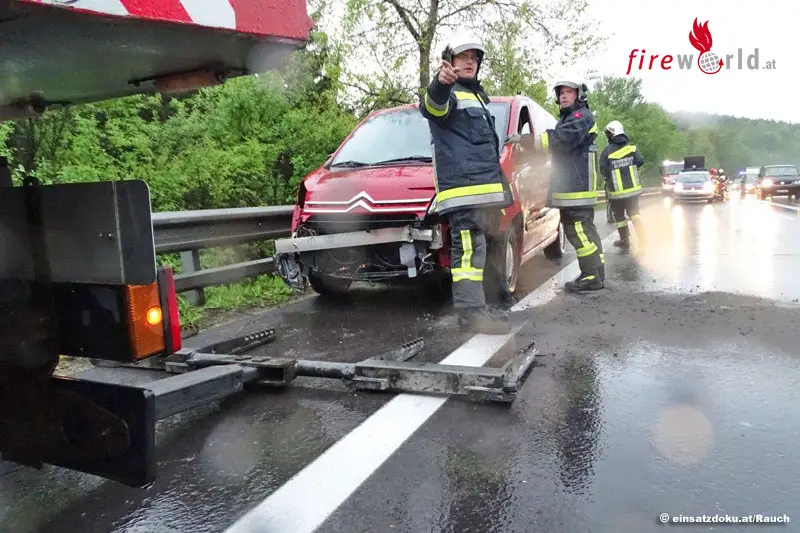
x: 462, y: 42
x: 576, y: 82
x: 614, y: 128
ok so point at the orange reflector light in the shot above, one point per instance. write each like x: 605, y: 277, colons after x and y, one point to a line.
x: 144, y: 320
x: 154, y: 316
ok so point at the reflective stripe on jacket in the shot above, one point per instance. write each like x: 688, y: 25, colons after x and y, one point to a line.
x: 466, y: 156
x: 573, y: 148
x: 619, y: 165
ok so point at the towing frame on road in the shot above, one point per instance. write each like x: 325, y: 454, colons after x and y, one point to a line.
x: 393, y: 371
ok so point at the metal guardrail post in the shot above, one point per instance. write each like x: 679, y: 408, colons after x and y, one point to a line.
x: 190, y: 261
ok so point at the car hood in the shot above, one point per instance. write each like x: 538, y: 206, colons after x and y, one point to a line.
x: 376, y: 190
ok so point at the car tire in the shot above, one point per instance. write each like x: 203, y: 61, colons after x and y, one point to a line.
x: 557, y: 248
x: 501, y: 276
x: 327, y: 285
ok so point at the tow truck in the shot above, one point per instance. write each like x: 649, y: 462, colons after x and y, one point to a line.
x: 85, y: 282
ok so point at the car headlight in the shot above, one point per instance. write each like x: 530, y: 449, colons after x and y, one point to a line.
x: 432, y: 208
x: 679, y: 186
x: 767, y: 183
x: 708, y: 186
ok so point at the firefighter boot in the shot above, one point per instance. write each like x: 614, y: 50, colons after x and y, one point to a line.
x: 624, y: 240
x: 591, y: 281
x: 481, y: 320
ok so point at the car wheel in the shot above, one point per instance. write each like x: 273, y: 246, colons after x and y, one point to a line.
x: 503, y: 263
x: 327, y: 285
x: 558, y: 247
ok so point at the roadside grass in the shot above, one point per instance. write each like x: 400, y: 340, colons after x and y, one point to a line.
x: 263, y: 291
x: 260, y: 292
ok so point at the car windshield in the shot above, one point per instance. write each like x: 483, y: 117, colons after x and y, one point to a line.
x: 400, y: 135
x: 694, y: 177
x: 672, y: 170
x: 780, y: 171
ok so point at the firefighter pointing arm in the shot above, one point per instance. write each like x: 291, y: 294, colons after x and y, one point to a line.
x: 469, y: 180
x: 619, y: 165
x: 573, y: 182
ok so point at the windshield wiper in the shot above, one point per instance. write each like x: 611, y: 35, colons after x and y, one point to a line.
x: 420, y: 158
x: 350, y: 164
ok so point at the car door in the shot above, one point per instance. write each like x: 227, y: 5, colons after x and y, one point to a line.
x: 524, y: 177
x: 534, y: 178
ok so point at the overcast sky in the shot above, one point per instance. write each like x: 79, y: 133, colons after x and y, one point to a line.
x: 772, y: 26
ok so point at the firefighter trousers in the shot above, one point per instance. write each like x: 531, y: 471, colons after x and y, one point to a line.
x: 626, y: 209
x: 467, y: 256
x: 583, y: 236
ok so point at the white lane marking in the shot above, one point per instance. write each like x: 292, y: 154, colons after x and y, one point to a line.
x: 790, y: 217
x: 790, y: 207
x: 304, y: 502
x: 215, y: 13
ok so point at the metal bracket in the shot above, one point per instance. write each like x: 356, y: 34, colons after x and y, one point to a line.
x: 393, y: 371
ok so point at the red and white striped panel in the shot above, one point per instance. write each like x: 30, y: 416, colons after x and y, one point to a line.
x: 278, y: 18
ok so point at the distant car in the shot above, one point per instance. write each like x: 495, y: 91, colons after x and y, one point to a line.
x: 694, y: 185
x: 778, y: 180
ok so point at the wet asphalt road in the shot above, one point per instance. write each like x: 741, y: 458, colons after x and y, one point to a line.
x: 689, y: 407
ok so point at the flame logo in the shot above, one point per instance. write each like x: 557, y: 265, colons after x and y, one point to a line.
x: 700, y: 37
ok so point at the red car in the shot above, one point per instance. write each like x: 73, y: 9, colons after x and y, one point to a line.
x: 369, y: 213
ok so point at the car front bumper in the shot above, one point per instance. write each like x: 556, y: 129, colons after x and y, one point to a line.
x: 693, y: 194
x: 296, y: 256
x: 781, y: 189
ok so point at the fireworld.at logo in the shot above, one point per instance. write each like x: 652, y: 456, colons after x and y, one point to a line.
x: 708, y: 62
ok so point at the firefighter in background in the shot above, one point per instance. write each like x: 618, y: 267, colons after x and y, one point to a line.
x: 573, y: 182
x: 469, y: 181
x: 619, y: 165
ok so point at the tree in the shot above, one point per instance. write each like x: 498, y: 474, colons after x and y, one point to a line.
x: 648, y: 125
x: 392, y: 33
x: 511, y: 68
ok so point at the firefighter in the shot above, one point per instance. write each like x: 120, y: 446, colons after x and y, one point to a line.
x: 573, y: 182
x: 470, y: 187
x: 619, y: 165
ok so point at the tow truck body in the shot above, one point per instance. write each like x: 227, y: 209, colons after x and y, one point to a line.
x: 84, y: 282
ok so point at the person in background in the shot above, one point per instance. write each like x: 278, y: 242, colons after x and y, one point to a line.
x: 619, y: 165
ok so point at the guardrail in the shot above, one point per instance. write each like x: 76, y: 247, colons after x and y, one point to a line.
x: 188, y: 232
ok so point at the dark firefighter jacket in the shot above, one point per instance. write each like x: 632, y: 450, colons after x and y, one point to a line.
x: 619, y: 165
x: 466, y: 157
x: 573, y: 148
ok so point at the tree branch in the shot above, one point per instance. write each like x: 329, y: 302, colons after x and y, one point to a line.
x: 462, y: 9
x: 406, y: 17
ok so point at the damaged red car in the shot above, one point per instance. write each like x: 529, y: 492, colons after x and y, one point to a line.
x: 369, y: 213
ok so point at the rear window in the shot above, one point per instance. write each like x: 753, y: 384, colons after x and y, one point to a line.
x: 790, y: 171
x: 694, y: 177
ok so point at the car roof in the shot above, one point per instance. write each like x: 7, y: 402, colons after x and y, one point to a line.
x: 492, y: 100
x: 772, y: 166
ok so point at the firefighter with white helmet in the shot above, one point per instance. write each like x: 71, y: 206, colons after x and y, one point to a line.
x: 573, y: 183
x: 619, y: 165
x: 469, y: 180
